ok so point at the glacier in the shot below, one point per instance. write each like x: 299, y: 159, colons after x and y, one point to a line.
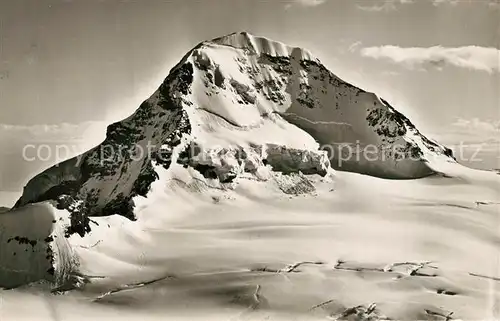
x: 242, y: 199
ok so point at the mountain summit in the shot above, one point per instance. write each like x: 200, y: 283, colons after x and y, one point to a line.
x: 238, y: 106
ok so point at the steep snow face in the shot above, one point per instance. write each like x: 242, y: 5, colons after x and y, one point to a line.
x: 234, y: 105
x: 244, y: 79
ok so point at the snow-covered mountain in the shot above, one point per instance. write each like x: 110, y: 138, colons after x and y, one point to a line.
x: 252, y: 101
x: 235, y: 108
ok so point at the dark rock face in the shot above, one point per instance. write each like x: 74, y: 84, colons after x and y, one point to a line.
x: 104, y: 180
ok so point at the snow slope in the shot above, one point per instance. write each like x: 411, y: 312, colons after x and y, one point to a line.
x: 422, y: 249
x: 223, y: 167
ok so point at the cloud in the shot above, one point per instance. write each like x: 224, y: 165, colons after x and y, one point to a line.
x: 390, y: 73
x: 470, y: 57
x: 46, y: 145
x: 384, y: 6
x: 310, y: 3
x: 388, y: 6
x: 494, y: 4
x: 484, y: 127
x: 86, y: 132
x: 438, y: 2
x: 354, y: 47
x: 471, y: 131
x: 475, y: 142
x: 305, y: 3
x: 391, y: 5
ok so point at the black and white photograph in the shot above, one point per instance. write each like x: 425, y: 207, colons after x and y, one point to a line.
x: 249, y: 160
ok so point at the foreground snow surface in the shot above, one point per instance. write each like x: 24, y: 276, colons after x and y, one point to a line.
x: 422, y: 249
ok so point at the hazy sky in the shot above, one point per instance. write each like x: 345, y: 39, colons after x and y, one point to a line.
x: 85, y: 61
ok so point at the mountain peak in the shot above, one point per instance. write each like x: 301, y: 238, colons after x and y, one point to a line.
x: 237, y: 107
x: 262, y: 45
